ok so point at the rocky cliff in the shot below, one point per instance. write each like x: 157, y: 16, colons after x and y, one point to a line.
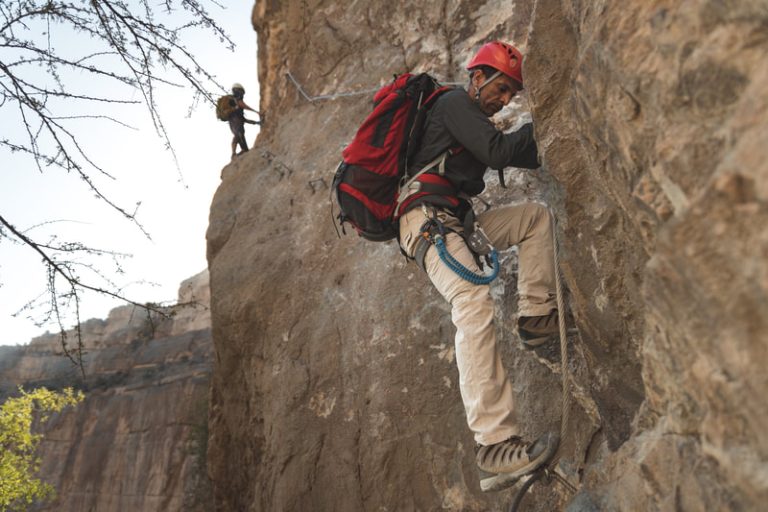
x: 334, y: 384
x: 653, y: 116
x: 138, y: 441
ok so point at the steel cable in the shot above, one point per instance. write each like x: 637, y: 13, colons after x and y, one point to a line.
x: 565, y: 411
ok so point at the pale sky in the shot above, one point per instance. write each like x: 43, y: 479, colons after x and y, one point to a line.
x: 174, y: 203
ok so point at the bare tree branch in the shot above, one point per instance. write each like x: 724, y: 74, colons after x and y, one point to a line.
x: 130, y: 46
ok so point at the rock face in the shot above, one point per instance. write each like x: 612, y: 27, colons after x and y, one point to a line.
x: 334, y: 384
x: 652, y: 115
x: 138, y: 441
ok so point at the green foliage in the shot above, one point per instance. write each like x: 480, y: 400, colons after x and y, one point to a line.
x: 18, y: 460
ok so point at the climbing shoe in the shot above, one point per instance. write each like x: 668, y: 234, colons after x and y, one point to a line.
x: 537, y: 330
x: 502, y: 464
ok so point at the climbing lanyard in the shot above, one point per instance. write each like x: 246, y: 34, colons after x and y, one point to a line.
x: 434, y: 232
x: 462, y: 271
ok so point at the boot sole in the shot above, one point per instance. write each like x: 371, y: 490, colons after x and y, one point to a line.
x: 500, y: 481
x: 532, y: 343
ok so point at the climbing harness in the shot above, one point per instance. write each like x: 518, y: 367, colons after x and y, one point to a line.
x: 433, y: 232
x: 550, y: 469
x: 412, y: 185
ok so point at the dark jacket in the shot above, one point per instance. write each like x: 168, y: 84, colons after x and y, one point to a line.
x: 457, y: 121
x: 239, y: 111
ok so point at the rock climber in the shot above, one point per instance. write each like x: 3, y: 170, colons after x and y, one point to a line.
x: 237, y: 120
x: 459, y: 121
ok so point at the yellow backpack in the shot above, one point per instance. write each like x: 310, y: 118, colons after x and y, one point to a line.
x: 225, y: 107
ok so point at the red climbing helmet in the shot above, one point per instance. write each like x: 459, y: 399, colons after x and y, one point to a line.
x: 500, y: 56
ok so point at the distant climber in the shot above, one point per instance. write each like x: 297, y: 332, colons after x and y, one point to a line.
x: 437, y: 209
x: 232, y: 108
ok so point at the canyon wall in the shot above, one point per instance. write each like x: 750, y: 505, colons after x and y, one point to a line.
x: 334, y: 384
x: 138, y: 440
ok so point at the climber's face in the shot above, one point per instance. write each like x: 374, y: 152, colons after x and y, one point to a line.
x: 495, y: 95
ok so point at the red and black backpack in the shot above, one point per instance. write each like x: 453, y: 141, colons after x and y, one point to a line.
x: 367, y: 181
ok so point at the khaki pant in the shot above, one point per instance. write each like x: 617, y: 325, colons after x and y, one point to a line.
x: 485, y: 389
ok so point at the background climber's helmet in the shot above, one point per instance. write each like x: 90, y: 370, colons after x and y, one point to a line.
x: 501, y: 56
x: 237, y: 87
